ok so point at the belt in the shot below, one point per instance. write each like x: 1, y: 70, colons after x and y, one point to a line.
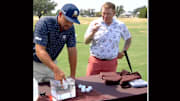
x: 102, y: 59
x: 105, y: 59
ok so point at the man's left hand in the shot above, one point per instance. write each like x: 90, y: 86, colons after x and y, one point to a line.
x: 120, y: 55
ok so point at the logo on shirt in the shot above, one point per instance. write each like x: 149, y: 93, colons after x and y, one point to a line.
x: 75, y: 14
x: 38, y: 38
x: 64, y: 37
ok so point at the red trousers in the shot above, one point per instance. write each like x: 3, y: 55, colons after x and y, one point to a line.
x: 95, y: 66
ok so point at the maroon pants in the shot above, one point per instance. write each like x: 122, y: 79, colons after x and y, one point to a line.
x: 95, y: 66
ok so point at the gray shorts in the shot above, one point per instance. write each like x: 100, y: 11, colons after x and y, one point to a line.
x: 42, y: 73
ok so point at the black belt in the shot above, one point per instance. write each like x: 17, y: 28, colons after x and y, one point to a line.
x: 102, y: 59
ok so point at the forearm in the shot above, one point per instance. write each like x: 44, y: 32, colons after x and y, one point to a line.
x: 126, y: 47
x: 127, y: 44
x: 45, y: 58
x: 72, y: 52
x: 89, y: 38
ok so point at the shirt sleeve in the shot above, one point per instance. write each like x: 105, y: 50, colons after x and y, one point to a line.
x: 71, y: 42
x: 125, y: 34
x: 41, y: 33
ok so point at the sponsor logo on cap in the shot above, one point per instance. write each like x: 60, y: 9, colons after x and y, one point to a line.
x: 75, y: 14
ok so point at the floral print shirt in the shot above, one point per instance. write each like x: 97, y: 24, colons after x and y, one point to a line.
x: 105, y: 43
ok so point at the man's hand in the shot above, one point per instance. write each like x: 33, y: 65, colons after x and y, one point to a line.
x: 95, y: 28
x: 120, y: 55
x: 59, y: 75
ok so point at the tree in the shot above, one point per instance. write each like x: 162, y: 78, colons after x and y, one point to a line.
x: 119, y: 10
x: 88, y: 12
x: 42, y: 7
x: 81, y: 12
x: 141, y: 11
x: 98, y: 14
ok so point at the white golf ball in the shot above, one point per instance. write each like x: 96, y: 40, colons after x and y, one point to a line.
x: 90, y: 87
x: 83, y: 86
x: 83, y: 90
x: 88, y: 90
x: 79, y: 86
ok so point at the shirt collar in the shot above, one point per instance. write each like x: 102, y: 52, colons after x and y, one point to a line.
x: 114, y: 21
x: 56, y: 24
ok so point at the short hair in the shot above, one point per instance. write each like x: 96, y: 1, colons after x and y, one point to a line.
x: 109, y: 5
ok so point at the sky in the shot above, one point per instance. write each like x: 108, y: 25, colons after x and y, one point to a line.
x: 129, y: 5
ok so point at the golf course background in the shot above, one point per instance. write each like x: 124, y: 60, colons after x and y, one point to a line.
x: 137, y: 52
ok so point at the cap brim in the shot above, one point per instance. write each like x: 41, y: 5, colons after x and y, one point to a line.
x: 75, y: 20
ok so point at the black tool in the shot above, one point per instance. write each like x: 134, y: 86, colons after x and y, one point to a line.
x: 125, y: 52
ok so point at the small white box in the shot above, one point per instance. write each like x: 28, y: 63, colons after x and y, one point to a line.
x: 138, y: 83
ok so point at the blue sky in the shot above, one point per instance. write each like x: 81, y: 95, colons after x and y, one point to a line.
x: 129, y: 5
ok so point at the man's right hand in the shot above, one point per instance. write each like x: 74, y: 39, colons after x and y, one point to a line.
x: 59, y: 75
x: 95, y: 28
x: 91, y: 35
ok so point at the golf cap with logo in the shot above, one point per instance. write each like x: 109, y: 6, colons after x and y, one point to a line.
x: 71, y: 12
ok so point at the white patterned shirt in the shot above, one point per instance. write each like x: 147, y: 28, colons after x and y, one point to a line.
x: 105, y: 43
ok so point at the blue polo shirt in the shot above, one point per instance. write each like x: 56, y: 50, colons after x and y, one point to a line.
x: 47, y: 33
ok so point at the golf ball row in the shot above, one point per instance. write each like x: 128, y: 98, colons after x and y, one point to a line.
x: 84, y: 88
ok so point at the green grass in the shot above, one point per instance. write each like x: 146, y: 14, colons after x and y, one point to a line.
x: 137, y: 52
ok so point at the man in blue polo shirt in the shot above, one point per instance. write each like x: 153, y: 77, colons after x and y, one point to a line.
x: 50, y: 36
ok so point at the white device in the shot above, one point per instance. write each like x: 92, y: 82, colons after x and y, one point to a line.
x: 63, y: 91
x: 138, y: 83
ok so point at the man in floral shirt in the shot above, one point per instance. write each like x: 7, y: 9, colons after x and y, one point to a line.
x: 104, y: 34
